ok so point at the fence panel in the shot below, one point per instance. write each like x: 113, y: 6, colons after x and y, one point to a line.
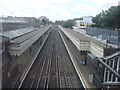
x: 111, y: 36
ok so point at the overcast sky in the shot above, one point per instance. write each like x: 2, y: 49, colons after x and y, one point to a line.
x: 54, y: 9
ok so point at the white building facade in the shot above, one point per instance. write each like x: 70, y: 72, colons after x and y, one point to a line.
x: 86, y: 20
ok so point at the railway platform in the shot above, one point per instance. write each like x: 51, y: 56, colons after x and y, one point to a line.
x: 76, y: 43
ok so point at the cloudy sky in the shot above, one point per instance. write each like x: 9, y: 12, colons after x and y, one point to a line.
x: 54, y: 9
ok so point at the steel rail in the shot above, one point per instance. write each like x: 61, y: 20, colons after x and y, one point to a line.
x: 41, y: 73
x: 57, y: 67
x: 80, y: 78
x: 48, y: 77
x: 33, y: 61
x: 68, y: 80
x: 48, y: 74
x: 39, y: 80
x: 36, y: 71
x: 68, y: 72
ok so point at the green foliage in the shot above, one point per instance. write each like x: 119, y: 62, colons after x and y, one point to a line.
x: 44, y: 21
x: 59, y: 22
x: 67, y: 23
x: 108, y: 18
x: 37, y: 21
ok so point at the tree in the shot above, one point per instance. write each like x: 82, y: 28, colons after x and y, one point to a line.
x: 108, y: 18
x: 59, y: 22
x: 45, y: 21
x: 68, y: 23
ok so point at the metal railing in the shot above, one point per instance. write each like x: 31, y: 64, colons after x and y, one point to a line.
x: 112, y: 68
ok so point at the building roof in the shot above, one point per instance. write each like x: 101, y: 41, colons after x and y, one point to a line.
x: 19, y: 44
x: 12, y: 21
x: 17, y: 33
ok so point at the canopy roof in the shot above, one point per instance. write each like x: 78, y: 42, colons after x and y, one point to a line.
x: 17, y: 33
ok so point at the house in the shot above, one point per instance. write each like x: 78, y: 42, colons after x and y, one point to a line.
x: 84, y: 21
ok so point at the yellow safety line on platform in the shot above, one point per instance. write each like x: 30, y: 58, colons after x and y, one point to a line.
x: 25, y: 71
x: 88, y: 87
x: 32, y: 60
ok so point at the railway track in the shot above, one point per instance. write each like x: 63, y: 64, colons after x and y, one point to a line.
x: 53, y: 67
x: 67, y: 79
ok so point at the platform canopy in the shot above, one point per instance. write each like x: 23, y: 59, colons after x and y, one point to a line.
x: 16, y: 33
x: 21, y: 41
